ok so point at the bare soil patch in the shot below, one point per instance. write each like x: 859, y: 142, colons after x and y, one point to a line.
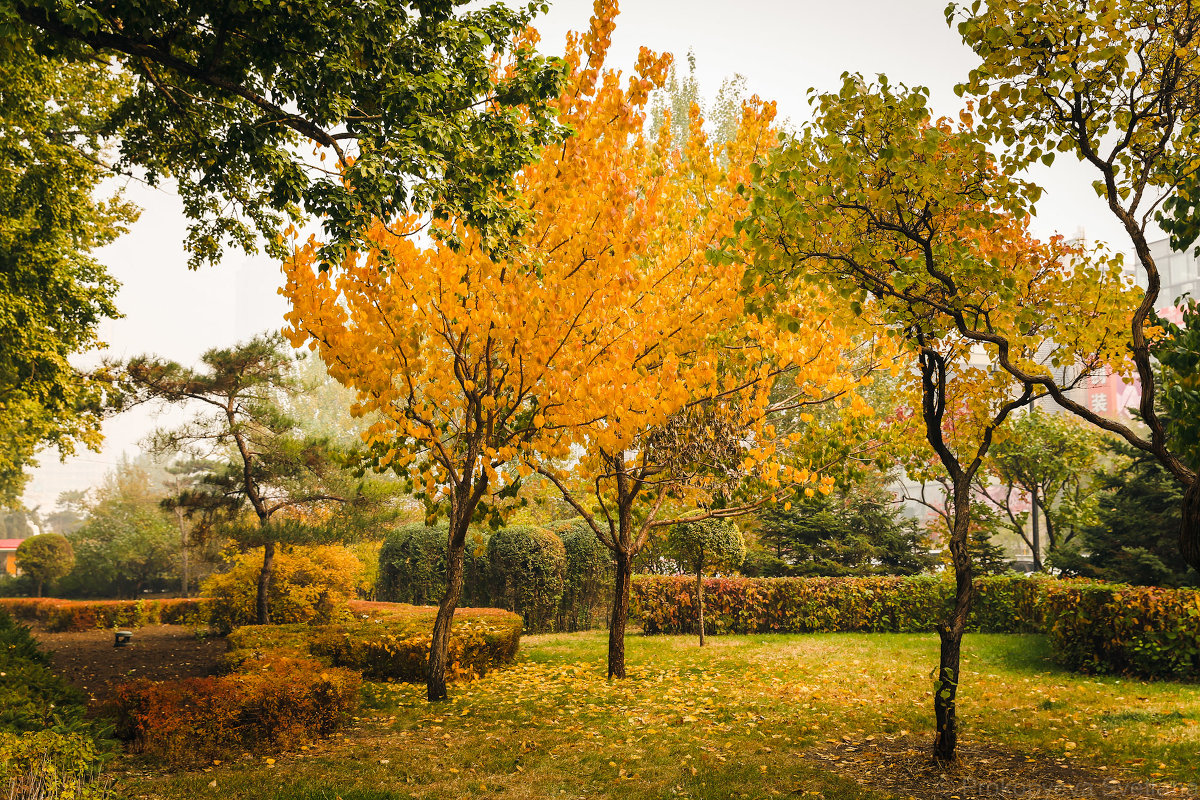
x: 903, y: 765
x: 88, y: 659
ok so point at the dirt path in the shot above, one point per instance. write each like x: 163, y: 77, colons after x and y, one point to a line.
x: 88, y: 660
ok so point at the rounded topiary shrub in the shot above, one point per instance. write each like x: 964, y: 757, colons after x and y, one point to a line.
x: 412, y: 565
x: 527, y: 566
x: 588, y: 583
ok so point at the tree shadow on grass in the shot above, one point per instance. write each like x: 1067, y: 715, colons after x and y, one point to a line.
x: 1018, y: 652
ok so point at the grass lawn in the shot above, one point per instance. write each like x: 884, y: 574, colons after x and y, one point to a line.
x: 748, y: 716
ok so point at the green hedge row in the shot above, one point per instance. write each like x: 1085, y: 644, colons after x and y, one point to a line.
x: 82, y: 615
x: 558, y: 579
x: 388, y: 641
x: 1094, y: 628
x: 667, y: 604
x: 1137, y: 630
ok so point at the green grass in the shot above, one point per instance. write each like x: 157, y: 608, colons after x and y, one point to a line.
x: 726, y: 721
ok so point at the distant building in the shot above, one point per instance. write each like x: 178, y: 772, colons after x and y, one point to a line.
x: 8, y: 556
x: 1112, y: 395
x: 1179, y: 273
x: 1107, y: 394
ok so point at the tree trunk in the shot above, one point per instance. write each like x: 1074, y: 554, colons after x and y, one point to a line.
x: 262, y: 609
x: 950, y: 631
x: 619, y: 615
x: 1037, y: 541
x: 439, y: 647
x: 700, y: 604
x: 1189, y: 528
x: 39, y: 594
x: 183, y: 549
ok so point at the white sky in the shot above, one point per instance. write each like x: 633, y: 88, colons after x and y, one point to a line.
x: 781, y: 47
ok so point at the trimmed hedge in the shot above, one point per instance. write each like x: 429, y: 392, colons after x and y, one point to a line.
x: 588, y: 587
x: 82, y: 615
x: 389, y: 641
x: 528, y: 566
x: 412, y: 566
x: 1135, y: 630
x: 556, y: 578
x: 1100, y: 628
x: 278, y: 701
x: 667, y: 604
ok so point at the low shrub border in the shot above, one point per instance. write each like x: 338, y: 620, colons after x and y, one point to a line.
x: 288, y: 683
x: 389, y: 641
x: 277, y: 701
x: 60, y: 616
x: 1098, y: 628
x: 1135, y: 630
x: 667, y: 604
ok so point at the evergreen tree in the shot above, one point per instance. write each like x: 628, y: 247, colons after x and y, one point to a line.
x: 856, y: 530
x: 1136, y: 538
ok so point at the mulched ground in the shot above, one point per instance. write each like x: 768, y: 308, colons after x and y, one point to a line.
x: 87, y: 659
x: 903, y: 765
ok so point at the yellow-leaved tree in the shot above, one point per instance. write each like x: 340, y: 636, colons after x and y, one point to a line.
x: 605, y: 323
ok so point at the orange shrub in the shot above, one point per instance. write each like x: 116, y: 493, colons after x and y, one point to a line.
x: 275, y: 701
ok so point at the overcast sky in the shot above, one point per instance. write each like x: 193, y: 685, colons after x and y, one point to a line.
x: 782, y: 47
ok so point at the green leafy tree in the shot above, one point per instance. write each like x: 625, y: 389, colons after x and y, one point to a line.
x: 912, y: 223
x: 53, y: 293
x: 1046, y: 460
x: 270, y: 113
x: 1118, y: 86
x: 70, y: 512
x: 127, y: 543
x: 18, y: 523
x: 184, y: 477
x: 936, y: 493
x: 45, y: 558
x: 1135, y: 536
x: 858, y: 529
x: 270, y: 483
x: 707, y: 546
